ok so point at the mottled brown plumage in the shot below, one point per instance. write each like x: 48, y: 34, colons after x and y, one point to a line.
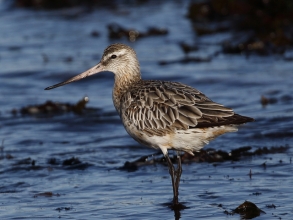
x: 163, y: 115
x: 160, y: 107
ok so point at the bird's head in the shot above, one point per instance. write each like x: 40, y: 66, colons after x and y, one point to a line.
x: 117, y: 58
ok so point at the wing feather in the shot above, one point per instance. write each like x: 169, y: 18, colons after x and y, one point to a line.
x: 161, y: 107
x: 171, y: 114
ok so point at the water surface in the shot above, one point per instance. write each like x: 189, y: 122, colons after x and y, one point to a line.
x: 41, y: 48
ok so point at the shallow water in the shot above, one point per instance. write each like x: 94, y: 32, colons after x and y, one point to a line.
x: 40, y: 48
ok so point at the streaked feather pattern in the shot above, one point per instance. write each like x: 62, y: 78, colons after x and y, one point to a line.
x: 160, y: 107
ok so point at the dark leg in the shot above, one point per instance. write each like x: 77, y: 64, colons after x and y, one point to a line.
x: 178, y: 171
x: 172, y: 174
x: 175, y: 175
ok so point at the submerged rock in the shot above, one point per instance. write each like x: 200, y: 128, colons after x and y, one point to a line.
x: 248, y: 210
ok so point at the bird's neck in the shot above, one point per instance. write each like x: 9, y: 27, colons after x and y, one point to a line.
x: 123, y: 82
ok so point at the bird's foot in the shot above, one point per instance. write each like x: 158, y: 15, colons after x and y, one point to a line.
x: 177, y: 206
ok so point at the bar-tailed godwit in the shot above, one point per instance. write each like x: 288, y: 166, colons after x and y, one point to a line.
x: 161, y: 114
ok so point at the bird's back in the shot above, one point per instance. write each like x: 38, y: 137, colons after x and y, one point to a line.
x: 160, y: 107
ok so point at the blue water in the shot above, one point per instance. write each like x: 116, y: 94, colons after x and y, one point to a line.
x: 41, y: 48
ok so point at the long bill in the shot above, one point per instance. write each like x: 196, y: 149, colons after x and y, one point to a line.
x: 96, y: 69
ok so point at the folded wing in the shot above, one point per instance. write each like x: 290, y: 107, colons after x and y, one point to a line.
x: 159, y: 108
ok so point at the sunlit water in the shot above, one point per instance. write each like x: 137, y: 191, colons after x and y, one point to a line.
x: 35, y: 47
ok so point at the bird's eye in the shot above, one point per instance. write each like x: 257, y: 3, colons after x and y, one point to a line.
x: 113, y: 56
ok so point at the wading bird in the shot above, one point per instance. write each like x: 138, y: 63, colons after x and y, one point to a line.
x: 161, y: 114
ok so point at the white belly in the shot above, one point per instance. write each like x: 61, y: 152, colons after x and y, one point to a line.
x: 182, y: 140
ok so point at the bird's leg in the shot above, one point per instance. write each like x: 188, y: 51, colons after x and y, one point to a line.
x: 178, y: 172
x: 172, y: 174
x: 175, y: 181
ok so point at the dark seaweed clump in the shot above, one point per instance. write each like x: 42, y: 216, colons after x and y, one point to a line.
x: 263, y: 27
x: 209, y: 155
x: 116, y: 31
x: 51, y: 108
